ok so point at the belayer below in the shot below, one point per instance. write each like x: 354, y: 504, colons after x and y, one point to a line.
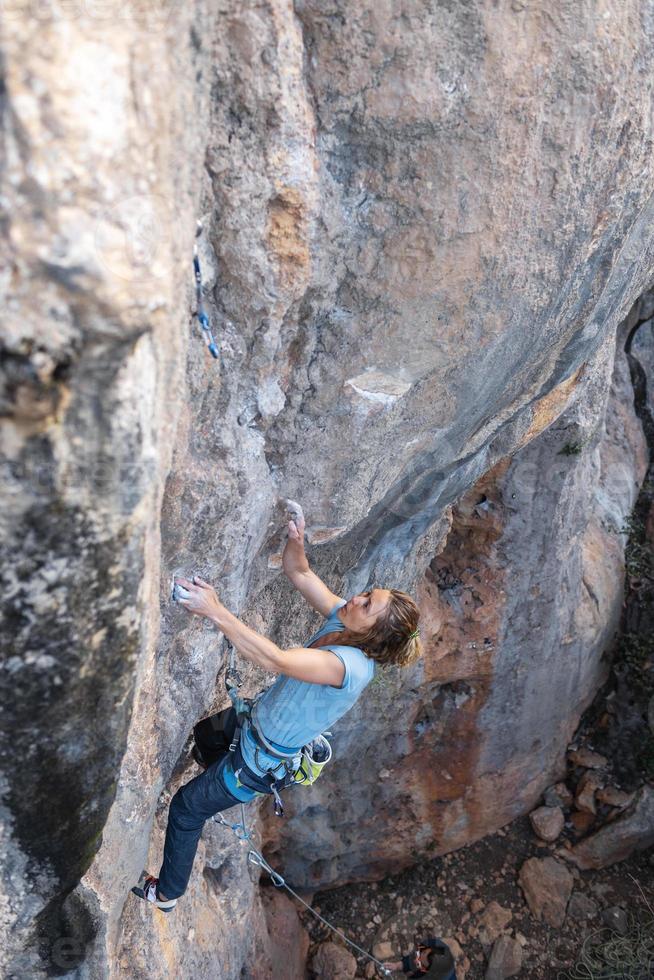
x: 432, y: 960
x: 318, y: 683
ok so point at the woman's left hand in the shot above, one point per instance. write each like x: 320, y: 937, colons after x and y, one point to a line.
x: 202, y: 599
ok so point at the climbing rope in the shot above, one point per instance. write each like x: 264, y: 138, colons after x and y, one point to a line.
x: 605, y: 955
x: 257, y: 859
x: 200, y: 312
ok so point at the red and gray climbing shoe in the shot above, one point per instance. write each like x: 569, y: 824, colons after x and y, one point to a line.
x: 147, y: 890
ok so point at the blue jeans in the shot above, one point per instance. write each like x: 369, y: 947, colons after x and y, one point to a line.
x: 192, y: 804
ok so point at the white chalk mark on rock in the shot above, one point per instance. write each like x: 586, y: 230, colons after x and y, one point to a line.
x: 320, y: 535
x: 378, y: 387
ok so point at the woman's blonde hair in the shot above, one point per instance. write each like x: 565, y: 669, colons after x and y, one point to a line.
x: 394, y: 639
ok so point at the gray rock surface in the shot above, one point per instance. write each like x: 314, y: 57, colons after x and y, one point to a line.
x: 492, y: 923
x: 286, y: 943
x: 420, y: 240
x: 547, y: 886
x: 632, y: 831
x: 528, y: 581
x: 616, y: 919
x: 557, y: 796
x: 547, y: 822
x: 333, y: 962
x: 582, y: 908
x: 505, y: 959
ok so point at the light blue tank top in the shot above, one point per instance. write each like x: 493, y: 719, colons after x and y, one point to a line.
x: 291, y: 712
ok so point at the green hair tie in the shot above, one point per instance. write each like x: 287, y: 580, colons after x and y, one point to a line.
x: 414, y: 634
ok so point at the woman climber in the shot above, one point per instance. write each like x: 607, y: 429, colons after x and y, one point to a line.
x: 318, y: 683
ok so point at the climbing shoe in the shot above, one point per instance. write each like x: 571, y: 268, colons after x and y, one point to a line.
x: 147, y: 890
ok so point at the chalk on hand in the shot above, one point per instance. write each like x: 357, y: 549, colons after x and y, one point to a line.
x: 295, y: 509
x: 179, y: 592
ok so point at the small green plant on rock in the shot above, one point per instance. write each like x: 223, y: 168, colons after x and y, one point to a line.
x: 636, y: 651
x: 572, y: 448
x: 639, y: 554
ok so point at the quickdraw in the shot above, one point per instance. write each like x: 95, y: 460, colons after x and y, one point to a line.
x: 201, y: 312
x: 233, y: 681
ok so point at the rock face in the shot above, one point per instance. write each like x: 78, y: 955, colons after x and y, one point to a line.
x: 333, y: 962
x: 547, y: 885
x: 517, y: 608
x: 98, y: 164
x: 547, y: 822
x: 286, y: 945
x: 631, y: 831
x: 420, y: 240
x: 493, y: 922
x: 589, y: 783
x: 505, y: 960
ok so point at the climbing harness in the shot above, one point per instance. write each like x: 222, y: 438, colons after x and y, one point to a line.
x: 299, y: 766
x: 302, y: 767
x: 200, y: 312
x: 255, y: 858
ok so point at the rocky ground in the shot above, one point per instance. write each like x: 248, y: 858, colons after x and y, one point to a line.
x: 473, y: 897
x: 514, y: 904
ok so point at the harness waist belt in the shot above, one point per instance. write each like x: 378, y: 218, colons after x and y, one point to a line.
x: 279, y: 752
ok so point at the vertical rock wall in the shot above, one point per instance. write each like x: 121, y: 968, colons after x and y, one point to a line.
x: 423, y: 226
x: 104, y: 112
x: 518, y: 607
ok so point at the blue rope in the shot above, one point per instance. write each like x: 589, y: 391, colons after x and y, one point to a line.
x: 257, y: 859
x: 201, y: 312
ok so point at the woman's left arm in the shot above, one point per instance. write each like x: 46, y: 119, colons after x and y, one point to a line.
x: 317, y: 666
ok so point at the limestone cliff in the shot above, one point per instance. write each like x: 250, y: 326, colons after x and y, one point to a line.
x: 424, y: 223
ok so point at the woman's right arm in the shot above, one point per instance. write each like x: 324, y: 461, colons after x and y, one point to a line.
x: 296, y: 568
